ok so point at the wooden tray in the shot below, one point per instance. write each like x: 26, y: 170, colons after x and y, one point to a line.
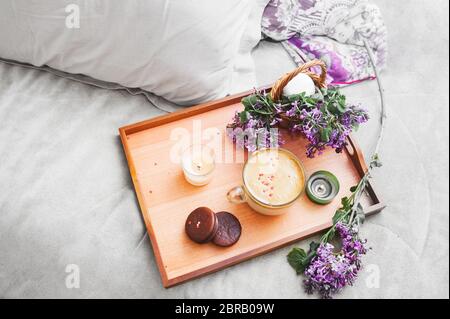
x: 166, y: 198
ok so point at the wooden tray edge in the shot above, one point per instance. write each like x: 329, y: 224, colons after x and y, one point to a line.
x: 352, y: 149
x: 143, y: 207
x: 357, y: 157
x: 188, y: 112
x: 246, y: 256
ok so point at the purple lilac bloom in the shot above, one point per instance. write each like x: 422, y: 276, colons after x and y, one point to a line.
x: 331, y: 271
x: 321, y: 128
x: 253, y: 133
x: 313, y: 121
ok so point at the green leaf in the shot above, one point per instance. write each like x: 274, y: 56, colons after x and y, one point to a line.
x: 336, y: 102
x: 338, y: 215
x: 346, y: 203
x: 353, y: 188
x: 297, y: 259
x: 317, y: 96
x: 310, y: 101
x: 341, y: 108
x: 325, y: 134
x: 244, y: 116
x: 313, y: 247
x: 335, y: 108
x: 300, y: 260
x: 249, y: 101
x: 295, y: 97
x: 341, y: 103
x: 330, y: 107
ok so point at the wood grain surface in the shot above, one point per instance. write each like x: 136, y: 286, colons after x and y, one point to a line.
x: 166, y: 199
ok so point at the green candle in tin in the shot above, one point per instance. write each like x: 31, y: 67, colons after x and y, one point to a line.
x: 322, y: 187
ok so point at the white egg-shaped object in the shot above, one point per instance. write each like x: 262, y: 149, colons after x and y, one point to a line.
x: 300, y: 83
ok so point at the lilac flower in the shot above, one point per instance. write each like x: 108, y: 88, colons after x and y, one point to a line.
x: 254, y: 133
x: 330, y: 271
x: 325, y: 122
x: 278, y: 107
x: 322, y: 130
x: 291, y: 112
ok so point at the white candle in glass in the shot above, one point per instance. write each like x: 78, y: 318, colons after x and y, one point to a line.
x: 198, y: 164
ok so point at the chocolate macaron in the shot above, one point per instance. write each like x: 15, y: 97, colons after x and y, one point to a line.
x: 201, y: 225
x: 229, y: 229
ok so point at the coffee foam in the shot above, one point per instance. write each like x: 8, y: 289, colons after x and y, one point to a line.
x: 273, y: 177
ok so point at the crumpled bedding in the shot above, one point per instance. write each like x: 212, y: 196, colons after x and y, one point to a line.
x: 331, y: 30
x: 66, y: 197
x: 157, y: 101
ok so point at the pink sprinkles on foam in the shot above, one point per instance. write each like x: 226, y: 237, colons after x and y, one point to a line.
x: 267, y: 181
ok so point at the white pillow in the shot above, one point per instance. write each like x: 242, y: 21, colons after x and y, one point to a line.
x: 186, y: 51
x: 244, y: 77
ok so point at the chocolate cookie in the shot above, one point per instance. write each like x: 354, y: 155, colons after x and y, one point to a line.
x: 201, y: 225
x: 229, y: 229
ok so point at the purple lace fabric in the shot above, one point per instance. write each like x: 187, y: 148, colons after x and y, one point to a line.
x: 330, y: 30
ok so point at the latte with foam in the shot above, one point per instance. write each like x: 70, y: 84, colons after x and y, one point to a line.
x: 274, y: 177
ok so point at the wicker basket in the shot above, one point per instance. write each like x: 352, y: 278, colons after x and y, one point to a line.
x: 319, y: 80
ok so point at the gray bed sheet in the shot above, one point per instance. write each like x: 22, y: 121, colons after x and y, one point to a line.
x: 66, y: 196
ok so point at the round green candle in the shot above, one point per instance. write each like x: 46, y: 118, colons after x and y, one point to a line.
x: 322, y: 187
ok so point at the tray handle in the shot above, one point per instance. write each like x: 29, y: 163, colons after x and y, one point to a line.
x: 357, y: 156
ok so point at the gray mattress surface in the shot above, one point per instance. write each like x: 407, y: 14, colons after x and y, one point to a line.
x: 66, y: 196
